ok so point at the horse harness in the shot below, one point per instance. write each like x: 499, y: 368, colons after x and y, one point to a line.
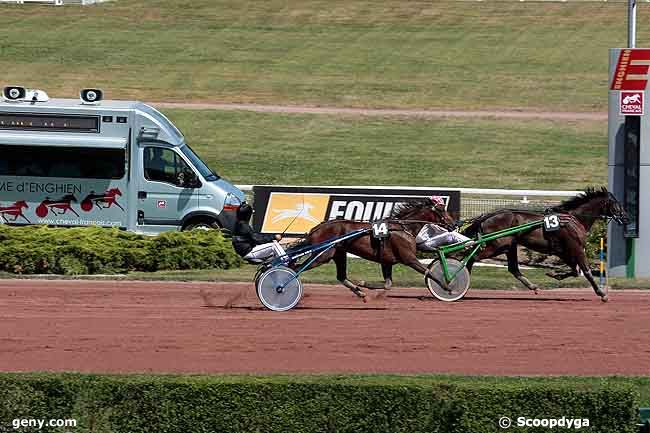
x: 380, y: 232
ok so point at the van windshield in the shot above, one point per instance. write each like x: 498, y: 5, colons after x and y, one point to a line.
x: 163, y: 122
x: 205, y: 171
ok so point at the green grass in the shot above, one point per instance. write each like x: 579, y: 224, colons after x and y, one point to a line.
x: 393, y: 53
x: 262, y: 148
x: 482, y: 277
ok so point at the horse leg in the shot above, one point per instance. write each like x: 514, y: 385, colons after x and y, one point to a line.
x: 513, y: 267
x: 571, y: 262
x: 491, y: 249
x: 563, y: 275
x: 470, y: 264
x: 413, y: 262
x: 579, y: 261
x: 387, y: 272
x: 586, y: 271
x: 341, y: 261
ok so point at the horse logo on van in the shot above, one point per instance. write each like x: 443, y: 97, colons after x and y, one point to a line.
x: 102, y: 201
x: 15, y: 211
x: 57, y: 207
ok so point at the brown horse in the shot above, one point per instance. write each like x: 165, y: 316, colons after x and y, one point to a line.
x: 403, y: 226
x: 576, y: 215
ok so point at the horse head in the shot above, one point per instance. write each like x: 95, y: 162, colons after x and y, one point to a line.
x: 614, y: 210
x: 69, y: 198
x: 114, y: 192
x: 425, y: 210
x: 22, y: 204
x: 592, y: 204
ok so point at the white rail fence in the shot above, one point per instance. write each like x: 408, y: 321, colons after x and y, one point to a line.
x: 476, y: 201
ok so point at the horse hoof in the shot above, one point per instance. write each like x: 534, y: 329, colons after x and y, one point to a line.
x: 535, y: 291
x: 604, y: 298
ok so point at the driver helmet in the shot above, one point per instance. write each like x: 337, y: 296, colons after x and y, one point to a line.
x: 438, y: 201
x: 244, y: 212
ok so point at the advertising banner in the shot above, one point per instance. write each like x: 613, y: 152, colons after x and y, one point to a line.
x: 296, y: 210
x: 62, y: 202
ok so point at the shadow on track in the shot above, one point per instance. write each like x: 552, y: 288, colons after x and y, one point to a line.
x: 524, y: 298
x: 299, y: 307
x: 471, y: 298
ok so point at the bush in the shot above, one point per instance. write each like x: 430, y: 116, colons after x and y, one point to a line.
x: 592, y: 247
x: 134, y: 404
x: 74, y: 251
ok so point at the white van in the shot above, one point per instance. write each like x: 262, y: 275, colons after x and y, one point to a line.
x: 89, y: 162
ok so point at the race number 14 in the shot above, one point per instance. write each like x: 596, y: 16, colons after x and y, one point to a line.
x: 551, y: 223
x: 380, y: 230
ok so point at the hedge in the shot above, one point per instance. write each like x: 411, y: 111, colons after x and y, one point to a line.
x: 168, y: 404
x: 74, y: 251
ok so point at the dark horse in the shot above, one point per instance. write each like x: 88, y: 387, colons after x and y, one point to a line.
x: 577, y: 215
x: 404, y: 224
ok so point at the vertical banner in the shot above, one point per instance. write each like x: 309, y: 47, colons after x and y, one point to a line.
x: 631, y: 178
x: 296, y: 210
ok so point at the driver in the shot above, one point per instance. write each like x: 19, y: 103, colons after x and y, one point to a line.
x: 432, y: 236
x: 252, y: 246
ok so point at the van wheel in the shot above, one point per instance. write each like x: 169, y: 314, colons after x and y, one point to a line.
x: 202, y: 224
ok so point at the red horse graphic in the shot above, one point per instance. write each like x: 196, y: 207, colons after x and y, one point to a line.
x: 15, y: 210
x: 636, y: 98
x: 103, y: 201
x: 58, y: 207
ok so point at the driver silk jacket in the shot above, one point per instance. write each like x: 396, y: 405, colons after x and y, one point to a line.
x: 244, y: 238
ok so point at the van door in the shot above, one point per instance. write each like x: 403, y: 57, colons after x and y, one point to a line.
x: 166, y: 193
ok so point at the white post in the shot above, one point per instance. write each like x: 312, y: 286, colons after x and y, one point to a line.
x: 631, y: 23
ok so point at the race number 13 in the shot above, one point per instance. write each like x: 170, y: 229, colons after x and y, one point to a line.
x: 551, y: 223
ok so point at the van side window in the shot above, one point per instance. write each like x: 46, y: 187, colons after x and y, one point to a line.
x: 164, y: 165
x: 65, y: 162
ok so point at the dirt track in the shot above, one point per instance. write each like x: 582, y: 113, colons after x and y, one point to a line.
x: 183, y: 327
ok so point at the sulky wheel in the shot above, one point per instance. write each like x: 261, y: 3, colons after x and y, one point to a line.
x: 456, y: 288
x: 279, y: 288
